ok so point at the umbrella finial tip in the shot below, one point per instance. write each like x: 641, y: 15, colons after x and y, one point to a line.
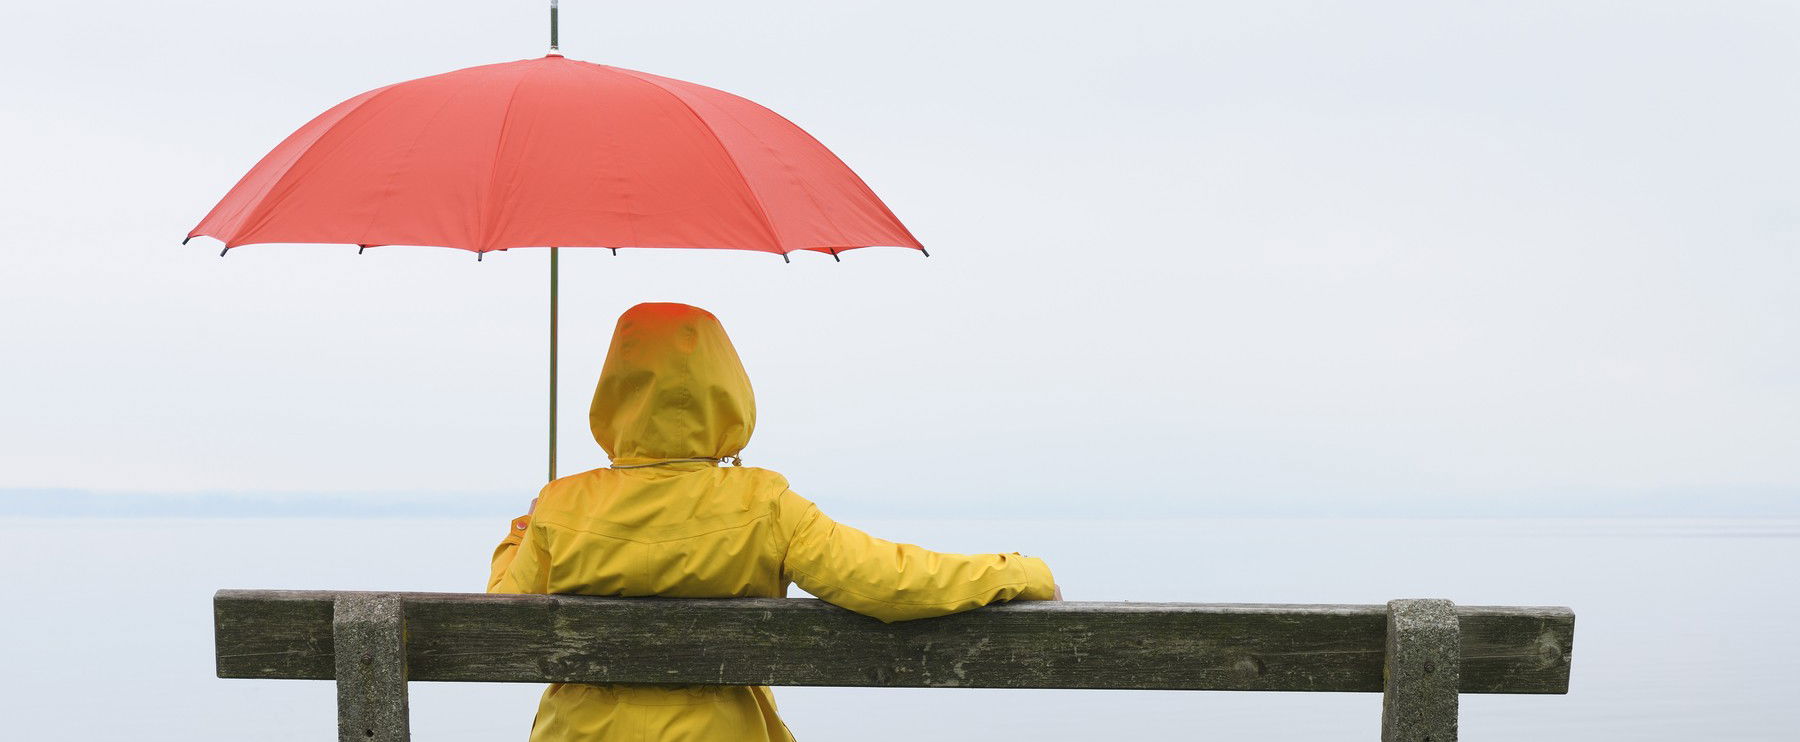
x: 184, y: 240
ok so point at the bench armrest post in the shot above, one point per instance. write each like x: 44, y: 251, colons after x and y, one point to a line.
x: 368, y: 638
x: 1423, y: 668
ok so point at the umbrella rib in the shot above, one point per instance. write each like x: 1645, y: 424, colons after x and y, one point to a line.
x: 762, y: 211
x: 238, y: 218
x: 487, y: 218
x: 799, y: 183
x: 260, y: 209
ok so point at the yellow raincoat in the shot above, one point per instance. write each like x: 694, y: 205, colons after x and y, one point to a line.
x: 667, y: 520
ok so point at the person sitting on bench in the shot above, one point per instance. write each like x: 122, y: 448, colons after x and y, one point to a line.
x: 666, y: 519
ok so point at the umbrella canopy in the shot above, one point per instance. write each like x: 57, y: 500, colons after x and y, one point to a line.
x: 554, y: 152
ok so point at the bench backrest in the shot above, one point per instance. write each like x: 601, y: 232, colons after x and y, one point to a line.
x: 1423, y: 650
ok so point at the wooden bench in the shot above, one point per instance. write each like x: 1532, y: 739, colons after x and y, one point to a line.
x: 1418, y: 653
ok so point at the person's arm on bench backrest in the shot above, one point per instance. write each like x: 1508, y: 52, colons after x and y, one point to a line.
x: 897, y: 582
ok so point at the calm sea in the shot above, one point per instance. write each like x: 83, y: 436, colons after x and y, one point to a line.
x: 1686, y: 629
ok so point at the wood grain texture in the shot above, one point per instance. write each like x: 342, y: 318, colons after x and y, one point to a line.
x: 1146, y: 646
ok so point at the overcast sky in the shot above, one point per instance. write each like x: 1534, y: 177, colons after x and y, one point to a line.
x: 1181, y: 251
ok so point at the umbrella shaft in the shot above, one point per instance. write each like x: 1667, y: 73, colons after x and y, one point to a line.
x: 552, y: 25
x: 553, y: 262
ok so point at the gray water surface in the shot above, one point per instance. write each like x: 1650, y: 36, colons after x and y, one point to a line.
x: 1684, y: 630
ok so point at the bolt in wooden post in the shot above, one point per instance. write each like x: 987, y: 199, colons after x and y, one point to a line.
x: 1424, y: 667
x: 368, y: 637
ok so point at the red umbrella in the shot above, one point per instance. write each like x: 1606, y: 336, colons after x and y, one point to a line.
x: 553, y: 152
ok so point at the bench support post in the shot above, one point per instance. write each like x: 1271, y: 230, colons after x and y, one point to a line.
x: 368, y: 637
x: 1424, y: 666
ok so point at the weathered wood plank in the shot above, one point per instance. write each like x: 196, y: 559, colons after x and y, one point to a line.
x: 1166, y: 646
x: 1424, y: 660
x: 1509, y: 649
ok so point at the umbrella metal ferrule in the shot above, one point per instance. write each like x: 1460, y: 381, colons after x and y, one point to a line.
x: 553, y: 50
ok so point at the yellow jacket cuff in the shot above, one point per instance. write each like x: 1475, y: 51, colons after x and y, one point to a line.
x: 1040, y: 584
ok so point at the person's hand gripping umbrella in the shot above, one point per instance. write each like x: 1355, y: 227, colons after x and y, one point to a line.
x: 553, y: 152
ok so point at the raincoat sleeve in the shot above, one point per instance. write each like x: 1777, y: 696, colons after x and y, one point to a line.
x: 897, y: 582
x: 520, y: 563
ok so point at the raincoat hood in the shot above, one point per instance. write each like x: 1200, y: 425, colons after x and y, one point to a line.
x: 672, y: 388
